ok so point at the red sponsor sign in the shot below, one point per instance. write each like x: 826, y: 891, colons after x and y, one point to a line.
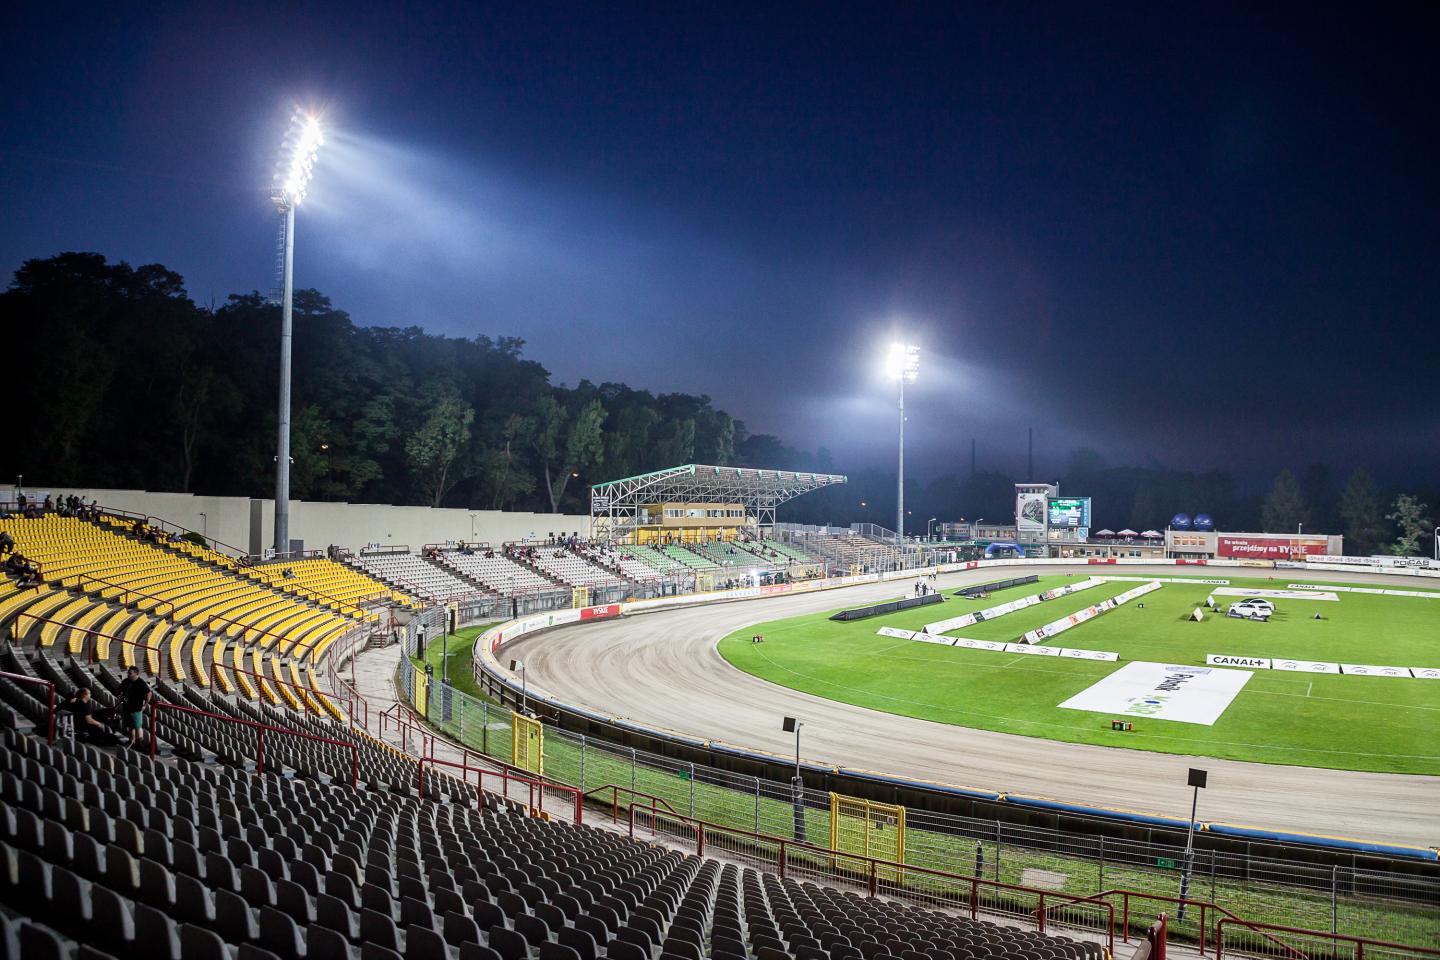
x: 1101, y: 560
x: 1190, y: 563
x: 1268, y: 548
x: 775, y: 588
x: 605, y: 612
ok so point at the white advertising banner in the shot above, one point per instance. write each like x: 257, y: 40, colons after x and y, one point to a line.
x: 924, y: 637
x: 1305, y: 666
x: 1368, y: 670
x: 1032, y: 649
x: 1278, y: 594
x: 1225, y: 660
x: 1425, y: 673
x: 896, y: 632
x: 978, y: 644
x: 1163, y: 691
x: 1089, y: 655
x: 1089, y: 613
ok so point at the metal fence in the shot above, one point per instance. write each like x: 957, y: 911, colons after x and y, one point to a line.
x: 1347, y: 901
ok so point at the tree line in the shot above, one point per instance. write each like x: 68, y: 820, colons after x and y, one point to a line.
x: 117, y: 378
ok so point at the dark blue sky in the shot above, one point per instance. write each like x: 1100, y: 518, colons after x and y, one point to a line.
x: 1207, y: 238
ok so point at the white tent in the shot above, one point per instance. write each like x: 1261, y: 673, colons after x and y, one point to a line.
x: 1104, y: 533
x: 1151, y: 533
x: 1128, y: 533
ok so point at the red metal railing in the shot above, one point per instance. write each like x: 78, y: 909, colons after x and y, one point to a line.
x: 615, y: 790
x: 279, y: 582
x: 1155, y: 936
x: 535, y: 787
x: 126, y: 593
x: 22, y: 678
x: 407, y: 721
x: 92, y: 637
x: 260, y: 728
x: 1331, y: 941
x: 304, y: 693
x: 244, y: 629
x: 873, y: 870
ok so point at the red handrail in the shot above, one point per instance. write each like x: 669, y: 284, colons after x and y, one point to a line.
x: 307, y: 692
x: 279, y: 584
x: 125, y: 592
x: 90, y: 637
x: 50, y: 726
x: 506, y: 778
x: 616, y: 789
x: 261, y: 729
x: 244, y: 628
x: 1360, y: 943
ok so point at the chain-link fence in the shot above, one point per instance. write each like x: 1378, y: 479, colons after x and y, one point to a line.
x: 1317, y: 897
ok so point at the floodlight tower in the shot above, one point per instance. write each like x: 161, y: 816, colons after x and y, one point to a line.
x: 903, y: 365
x: 292, y: 174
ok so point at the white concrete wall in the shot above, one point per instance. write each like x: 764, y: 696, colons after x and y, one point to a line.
x: 319, y: 524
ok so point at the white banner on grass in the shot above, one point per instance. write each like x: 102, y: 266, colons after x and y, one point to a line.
x: 1425, y: 673
x: 1225, y: 660
x: 1031, y: 649
x: 924, y: 637
x: 1305, y: 666
x: 1001, y: 609
x: 896, y: 632
x: 1369, y: 670
x: 1163, y: 691
x: 1278, y: 594
x: 1074, y: 654
x: 1089, y: 613
x: 978, y: 644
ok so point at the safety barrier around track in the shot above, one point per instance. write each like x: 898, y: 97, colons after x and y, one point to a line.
x: 487, y: 666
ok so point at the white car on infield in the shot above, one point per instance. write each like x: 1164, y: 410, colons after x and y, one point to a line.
x: 1251, y: 608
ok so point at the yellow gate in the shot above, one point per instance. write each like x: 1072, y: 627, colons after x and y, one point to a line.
x: 527, y: 744
x: 422, y: 692
x: 580, y: 597
x: 869, y: 829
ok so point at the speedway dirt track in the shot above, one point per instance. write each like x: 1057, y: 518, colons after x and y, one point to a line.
x: 663, y: 670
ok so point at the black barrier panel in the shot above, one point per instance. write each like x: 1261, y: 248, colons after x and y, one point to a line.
x: 860, y: 613
x: 979, y: 588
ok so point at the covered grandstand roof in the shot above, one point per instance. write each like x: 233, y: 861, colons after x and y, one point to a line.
x: 614, y: 503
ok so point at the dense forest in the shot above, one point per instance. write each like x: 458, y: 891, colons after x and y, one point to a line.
x: 116, y: 378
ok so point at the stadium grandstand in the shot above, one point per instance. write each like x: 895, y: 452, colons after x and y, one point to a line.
x: 273, y: 808
x: 259, y: 817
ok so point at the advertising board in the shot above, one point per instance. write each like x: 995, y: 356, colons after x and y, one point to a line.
x: 1268, y: 548
x: 1068, y: 512
x: 1030, y: 515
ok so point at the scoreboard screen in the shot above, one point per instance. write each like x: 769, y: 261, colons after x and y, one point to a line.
x: 1069, y: 512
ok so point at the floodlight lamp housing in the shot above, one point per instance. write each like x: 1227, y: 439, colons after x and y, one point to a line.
x: 903, y: 362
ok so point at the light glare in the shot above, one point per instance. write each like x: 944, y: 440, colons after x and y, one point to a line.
x: 296, y: 166
x: 903, y: 362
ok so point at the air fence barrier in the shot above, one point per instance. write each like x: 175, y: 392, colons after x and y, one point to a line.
x: 1313, y: 896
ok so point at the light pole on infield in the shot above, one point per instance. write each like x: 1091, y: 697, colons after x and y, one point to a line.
x: 797, y: 785
x: 292, y: 175
x: 903, y: 365
x: 1197, y: 783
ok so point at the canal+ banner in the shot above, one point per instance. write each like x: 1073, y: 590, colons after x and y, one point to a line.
x: 1162, y: 691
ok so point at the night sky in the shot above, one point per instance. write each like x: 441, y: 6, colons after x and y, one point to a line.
x: 1204, y: 239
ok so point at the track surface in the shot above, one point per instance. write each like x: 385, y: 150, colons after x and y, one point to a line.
x: 663, y: 670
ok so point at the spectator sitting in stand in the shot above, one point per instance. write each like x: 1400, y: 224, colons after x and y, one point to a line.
x: 88, y: 727
x: 7, y: 543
